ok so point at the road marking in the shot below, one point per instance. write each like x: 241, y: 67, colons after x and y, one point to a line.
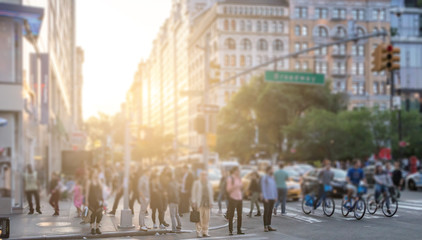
x: 409, y: 207
x: 250, y: 236
x: 301, y: 217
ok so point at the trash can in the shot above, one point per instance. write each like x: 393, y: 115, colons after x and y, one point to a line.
x: 4, y: 227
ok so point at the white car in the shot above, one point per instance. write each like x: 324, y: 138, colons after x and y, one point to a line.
x: 414, y: 181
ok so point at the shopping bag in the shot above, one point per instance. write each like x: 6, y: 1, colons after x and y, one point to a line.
x: 194, y: 216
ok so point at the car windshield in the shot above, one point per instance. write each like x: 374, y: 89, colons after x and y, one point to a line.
x: 292, y: 173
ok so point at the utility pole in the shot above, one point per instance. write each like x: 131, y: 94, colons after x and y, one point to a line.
x: 205, y: 99
x: 126, y: 213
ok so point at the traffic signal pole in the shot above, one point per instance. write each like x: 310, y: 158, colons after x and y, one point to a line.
x: 206, y: 100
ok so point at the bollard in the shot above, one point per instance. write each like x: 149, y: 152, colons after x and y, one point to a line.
x: 4, y: 227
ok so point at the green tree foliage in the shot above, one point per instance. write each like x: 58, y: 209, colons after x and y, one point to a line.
x: 275, y: 105
x: 411, y: 134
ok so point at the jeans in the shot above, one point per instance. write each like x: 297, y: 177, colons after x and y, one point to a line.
x: 174, y: 215
x: 160, y: 215
x: 119, y: 195
x: 36, y: 195
x: 268, y: 209
x: 144, y: 206
x: 235, y: 204
x: 282, y: 197
x: 321, y: 194
x: 254, y: 201
x: 381, y: 189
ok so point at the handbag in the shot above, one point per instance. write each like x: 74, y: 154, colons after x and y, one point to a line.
x: 194, y: 216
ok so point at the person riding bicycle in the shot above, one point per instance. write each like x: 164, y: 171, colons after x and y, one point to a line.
x: 354, y: 176
x: 382, y: 184
x: 325, y: 177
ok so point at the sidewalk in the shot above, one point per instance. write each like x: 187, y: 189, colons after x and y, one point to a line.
x: 67, y: 225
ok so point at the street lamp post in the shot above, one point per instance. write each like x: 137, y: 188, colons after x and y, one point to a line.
x: 126, y: 213
x: 205, y: 99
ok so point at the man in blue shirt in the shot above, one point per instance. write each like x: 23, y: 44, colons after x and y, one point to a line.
x: 269, y: 195
x: 281, y: 177
x: 354, y: 176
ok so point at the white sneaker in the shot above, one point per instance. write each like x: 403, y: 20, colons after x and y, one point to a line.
x: 162, y: 226
x: 144, y: 228
x: 198, y: 235
x: 155, y: 226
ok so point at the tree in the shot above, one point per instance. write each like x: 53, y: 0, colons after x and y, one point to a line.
x: 411, y: 134
x: 275, y: 105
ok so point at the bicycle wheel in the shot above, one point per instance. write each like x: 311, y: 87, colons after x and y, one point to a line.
x: 328, y: 206
x: 307, y: 205
x: 360, y: 209
x: 371, y: 204
x: 345, y: 206
x: 390, y: 210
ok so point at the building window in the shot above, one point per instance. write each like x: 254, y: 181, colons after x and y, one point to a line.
x: 275, y: 26
x: 278, y: 45
x: 361, y: 50
x: 321, y: 67
x: 304, y: 31
x: 301, y: 12
x: 226, y: 25
x: 375, y: 30
x: 375, y: 88
x: 339, y: 68
x: 358, y: 14
x: 242, y: 25
x: 259, y: 60
x: 321, y: 13
x: 233, y: 61
x: 322, y: 32
x: 341, y: 86
x: 340, y: 32
x: 249, y: 26
x: 265, y: 26
x: 249, y: 60
x: 304, y: 46
x: 297, y: 65
x: 258, y: 26
x: 297, y: 47
x: 305, y: 65
x: 360, y: 31
x: 262, y: 45
x: 297, y: 30
x: 378, y: 15
x: 246, y: 44
x: 233, y: 25
x: 242, y: 61
x: 281, y: 27
x: 230, y: 44
x: 339, y: 13
x: 321, y: 51
x: 226, y: 60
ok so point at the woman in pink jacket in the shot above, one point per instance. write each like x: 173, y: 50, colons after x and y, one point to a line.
x: 234, y: 191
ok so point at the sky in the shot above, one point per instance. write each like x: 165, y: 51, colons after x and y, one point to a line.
x: 115, y: 36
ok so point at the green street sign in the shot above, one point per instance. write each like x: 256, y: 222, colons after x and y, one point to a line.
x: 294, y: 77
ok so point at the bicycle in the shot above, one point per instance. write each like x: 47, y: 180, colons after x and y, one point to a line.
x: 328, y: 204
x: 387, y: 202
x: 358, y: 206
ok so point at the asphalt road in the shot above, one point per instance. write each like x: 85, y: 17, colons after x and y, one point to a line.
x: 296, y: 225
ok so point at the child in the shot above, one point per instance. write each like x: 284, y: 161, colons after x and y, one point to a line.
x: 78, y: 197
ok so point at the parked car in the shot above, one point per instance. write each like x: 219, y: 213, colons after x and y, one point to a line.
x: 293, y: 174
x: 310, y: 182
x: 301, y: 168
x: 293, y: 187
x: 414, y: 181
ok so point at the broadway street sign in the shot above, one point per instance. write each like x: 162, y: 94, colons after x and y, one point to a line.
x: 294, y: 77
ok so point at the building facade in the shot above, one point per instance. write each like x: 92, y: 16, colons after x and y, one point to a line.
x: 37, y: 92
x: 406, y: 26
x: 347, y: 66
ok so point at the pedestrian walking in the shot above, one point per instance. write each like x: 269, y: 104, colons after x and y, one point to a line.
x: 164, y: 195
x: 202, y: 198
x: 222, y: 193
x: 119, y: 189
x: 78, y: 197
x: 32, y: 189
x: 281, y: 177
x: 173, y: 200
x: 186, y: 189
x: 234, y: 190
x: 156, y: 204
x: 269, y: 196
x: 397, y: 177
x: 133, y: 189
x: 144, y: 198
x: 55, y: 193
x: 94, y: 195
x: 255, y: 191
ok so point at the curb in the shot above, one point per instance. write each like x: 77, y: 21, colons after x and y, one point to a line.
x: 111, y: 234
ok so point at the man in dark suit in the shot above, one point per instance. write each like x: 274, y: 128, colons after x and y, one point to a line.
x: 187, y: 181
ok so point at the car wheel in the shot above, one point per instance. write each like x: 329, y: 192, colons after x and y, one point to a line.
x: 412, y: 185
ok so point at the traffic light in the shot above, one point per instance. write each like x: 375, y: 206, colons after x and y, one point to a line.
x: 199, y: 124
x: 377, y: 58
x: 215, y: 73
x: 392, y: 61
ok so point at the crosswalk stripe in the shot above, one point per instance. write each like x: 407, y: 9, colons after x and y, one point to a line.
x: 409, y: 207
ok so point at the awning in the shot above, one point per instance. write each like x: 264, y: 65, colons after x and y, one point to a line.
x: 31, y: 17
